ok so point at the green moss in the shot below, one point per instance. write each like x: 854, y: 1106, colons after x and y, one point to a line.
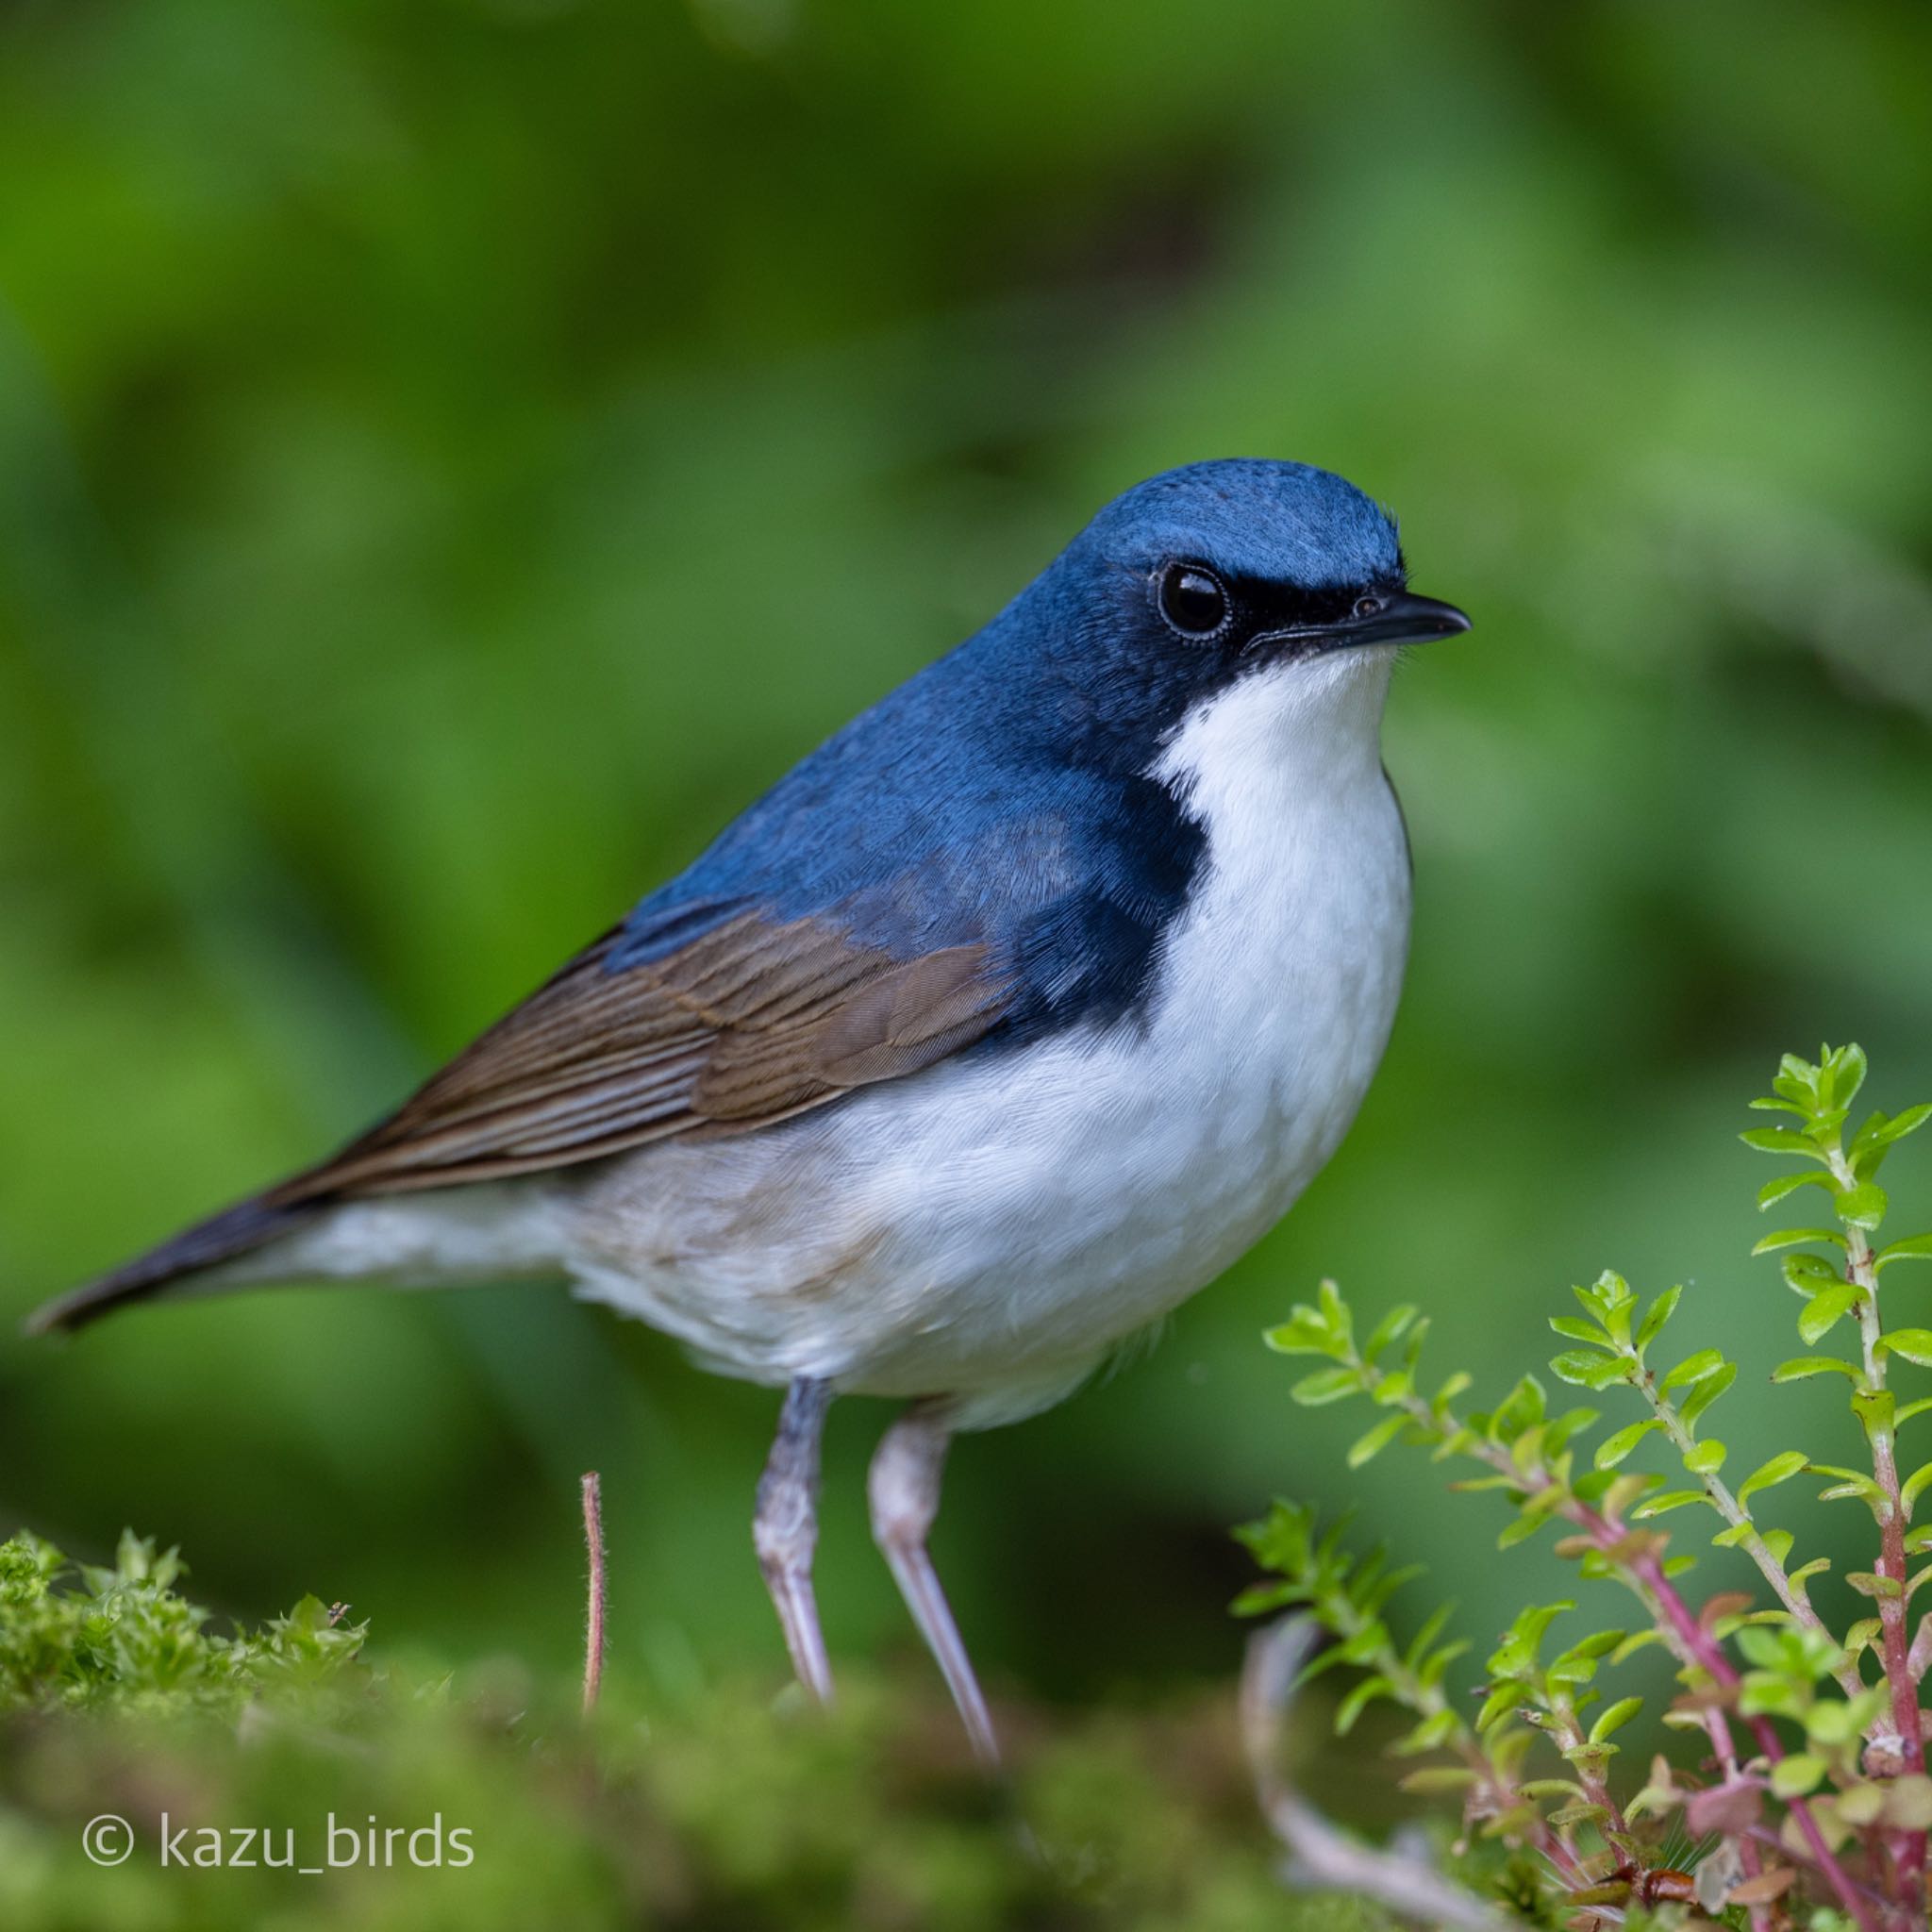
x: 724, y: 1810
x: 122, y: 1639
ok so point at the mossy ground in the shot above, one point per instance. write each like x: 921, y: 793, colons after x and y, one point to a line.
x: 725, y: 1809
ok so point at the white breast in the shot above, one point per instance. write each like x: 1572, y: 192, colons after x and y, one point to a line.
x: 992, y: 1226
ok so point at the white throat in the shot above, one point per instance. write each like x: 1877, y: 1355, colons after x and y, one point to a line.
x: 1293, y: 732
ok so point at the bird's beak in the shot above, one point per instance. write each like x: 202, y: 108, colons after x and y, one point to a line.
x: 1405, y: 619
x: 1397, y: 617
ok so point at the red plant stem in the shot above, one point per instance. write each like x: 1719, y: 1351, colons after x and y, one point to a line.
x: 1762, y: 1834
x: 1694, y: 1645
x: 1703, y: 1649
x: 1721, y: 1741
x: 593, y: 1618
x: 1908, y: 1848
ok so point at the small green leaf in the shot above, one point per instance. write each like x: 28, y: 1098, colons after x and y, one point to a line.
x: 1847, y: 1068
x: 1303, y: 1333
x: 1778, y: 1541
x: 1772, y: 1192
x: 1335, y: 1312
x: 1670, y: 1499
x: 1502, y: 1702
x: 1325, y: 1385
x: 1576, y: 1330
x: 1521, y: 1408
x: 1866, y: 1634
x: 1881, y: 1132
x: 1706, y: 1392
x: 1827, y: 1308
x: 1694, y: 1368
x: 1613, y: 1449
x: 1869, y: 1583
x: 1913, y: 1488
x: 1615, y: 1717
x: 1634, y: 1642
x: 1376, y: 1439
x: 1792, y: 1777
x: 1767, y: 1475
x: 1520, y: 1530
x: 1544, y: 1788
x: 1390, y: 1328
x: 1847, y: 1483
x: 1797, y: 1079
x: 1805, y: 1274
x: 1916, y: 1247
x: 1598, y: 1643
x: 1660, y: 1311
x: 1861, y: 1207
x: 1588, y: 1369
x: 1359, y: 1701
x: 1915, y: 1344
x: 1780, y: 1140
x: 1517, y: 1652
x: 1801, y: 1366
x: 1705, y: 1459
x: 1791, y: 1237
x: 1556, y: 1434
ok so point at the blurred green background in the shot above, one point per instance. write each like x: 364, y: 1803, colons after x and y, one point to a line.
x: 454, y: 454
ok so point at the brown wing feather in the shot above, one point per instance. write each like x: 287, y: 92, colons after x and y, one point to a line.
x: 754, y: 1020
x: 751, y: 1022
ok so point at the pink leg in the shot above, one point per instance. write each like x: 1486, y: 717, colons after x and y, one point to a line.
x: 904, y: 1487
x: 785, y: 1530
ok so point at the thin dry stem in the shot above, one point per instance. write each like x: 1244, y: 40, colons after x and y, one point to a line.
x: 593, y: 1616
x: 1326, y: 1854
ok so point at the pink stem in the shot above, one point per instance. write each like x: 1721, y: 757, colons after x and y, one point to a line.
x: 1699, y: 1644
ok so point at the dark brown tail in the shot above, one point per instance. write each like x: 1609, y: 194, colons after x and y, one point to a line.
x: 221, y: 1236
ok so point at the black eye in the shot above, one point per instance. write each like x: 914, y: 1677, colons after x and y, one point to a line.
x: 1193, y: 600
x: 1368, y: 605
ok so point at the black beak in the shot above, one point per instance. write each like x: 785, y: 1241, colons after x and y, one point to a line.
x: 1383, y: 617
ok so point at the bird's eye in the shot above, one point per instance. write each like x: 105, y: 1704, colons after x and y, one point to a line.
x: 1367, y: 605
x: 1193, y: 600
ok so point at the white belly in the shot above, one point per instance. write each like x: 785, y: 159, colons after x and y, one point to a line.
x: 992, y: 1226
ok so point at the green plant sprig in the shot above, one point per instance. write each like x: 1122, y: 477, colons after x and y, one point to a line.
x: 1347, y: 1598
x: 1856, y: 1772
x: 1820, y: 1097
x: 1526, y: 1452
x: 1615, y: 1336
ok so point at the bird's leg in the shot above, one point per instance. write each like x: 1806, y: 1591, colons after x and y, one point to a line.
x: 785, y: 1529
x: 904, y: 1488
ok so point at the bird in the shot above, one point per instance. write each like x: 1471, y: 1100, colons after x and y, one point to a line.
x: 1000, y: 1026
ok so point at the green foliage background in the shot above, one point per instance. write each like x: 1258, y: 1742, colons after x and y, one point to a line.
x: 452, y: 454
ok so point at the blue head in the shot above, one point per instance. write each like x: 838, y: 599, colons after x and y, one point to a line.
x: 1204, y: 575
x: 1033, y: 788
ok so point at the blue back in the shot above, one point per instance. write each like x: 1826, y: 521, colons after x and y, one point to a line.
x: 1000, y: 794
